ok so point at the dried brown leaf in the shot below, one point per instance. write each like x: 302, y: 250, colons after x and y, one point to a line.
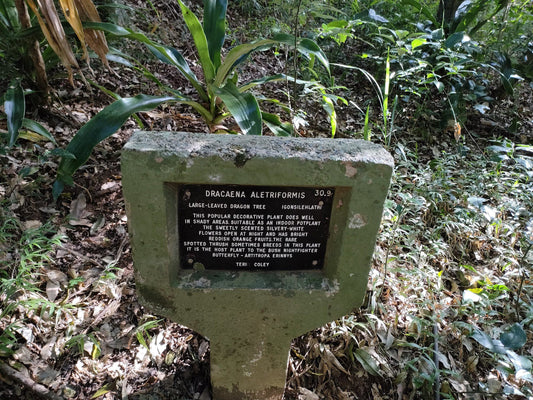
x: 52, y: 290
x: 332, y: 361
x: 77, y: 207
x: 306, y: 394
x: 95, y: 39
x: 48, y: 19
x: 73, y: 18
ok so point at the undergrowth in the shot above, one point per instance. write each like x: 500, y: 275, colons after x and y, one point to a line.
x: 26, y: 255
x: 454, y: 286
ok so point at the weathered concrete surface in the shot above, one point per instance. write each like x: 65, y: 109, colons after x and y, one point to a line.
x: 250, y: 317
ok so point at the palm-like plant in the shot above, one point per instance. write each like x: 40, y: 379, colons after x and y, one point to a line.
x: 218, y: 96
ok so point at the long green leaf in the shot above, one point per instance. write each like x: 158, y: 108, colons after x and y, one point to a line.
x: 309, y: 48
x: 243, y: 107
x: 100, y: 127
x: 423, y: 8
x: 275, y: 124
x: 305, y: 46
x: 200, y: 41
x: 240, y: 53
x: 166, y: 54
x: 15, y: 108
x: 36, y: 127
x: 329, y: 107
x: 256, y: 82
x: 367, y: 361
x: 214, y: 25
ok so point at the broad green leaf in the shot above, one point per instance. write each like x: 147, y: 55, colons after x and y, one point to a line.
x: 439, y: 85
x: 15, y: 108
x: 172, y: 56
x: 486, y: 341
x: 454, y: 39
x: 59, y: 152
x: 214, y: 25
x: 368, y: 363
x: 200, y: 41
x: 238, y: 55
x: 308, y: 47
x: 100, y: 127
x: 36, y: 127
x: 417, y: 43
x: 243, y: 107
x: 275, y: 124
x: 514, y: 338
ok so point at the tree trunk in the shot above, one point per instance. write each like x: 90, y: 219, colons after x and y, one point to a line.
x: 41, y: 78
x: 446, y: 13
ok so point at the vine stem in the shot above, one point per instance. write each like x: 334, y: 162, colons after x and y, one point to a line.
x: 521, y: 284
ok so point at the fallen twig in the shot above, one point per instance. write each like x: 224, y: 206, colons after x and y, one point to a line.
x: 29, y: 383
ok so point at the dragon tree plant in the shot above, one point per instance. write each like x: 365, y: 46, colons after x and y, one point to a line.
x: 219, y: 95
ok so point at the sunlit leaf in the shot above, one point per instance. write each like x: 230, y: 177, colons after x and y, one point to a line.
x: 108, y: 387
x: 200, y: 41
x: 243, y: 107
x: 36, y: 127
x: 417, y: 43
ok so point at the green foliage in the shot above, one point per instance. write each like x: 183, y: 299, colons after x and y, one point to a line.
x: 85, y: 342
x: 142, y: 332
x: 12, y: 45
x: 219, y: 95
x: 468, y: 267
x: 419, y: 57
x: 19, y: 279
x: 15, y: 109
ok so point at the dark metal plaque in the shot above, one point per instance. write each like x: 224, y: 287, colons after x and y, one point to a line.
x: 233, y: 227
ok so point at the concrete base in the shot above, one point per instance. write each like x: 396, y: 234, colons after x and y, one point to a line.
x: 255, y: 370
x: 252, y: 316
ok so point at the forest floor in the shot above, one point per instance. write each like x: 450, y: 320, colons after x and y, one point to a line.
x: 450, y: 280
